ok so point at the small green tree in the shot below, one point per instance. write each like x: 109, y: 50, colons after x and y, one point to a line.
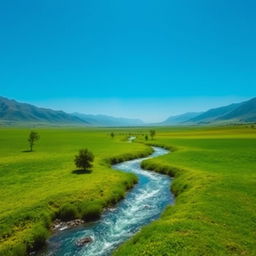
x: 84, y: 159
x: 152, y: 134
x: 32, y: 138
x: 112, y: 135
x: 146, y: 137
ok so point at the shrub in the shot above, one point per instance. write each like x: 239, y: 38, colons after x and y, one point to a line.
x: 92, y: 210
x: 37, y: 238
x: 68, y: 212
x: 152, y: 134
x: 17, y: 250
x: 47, y: 219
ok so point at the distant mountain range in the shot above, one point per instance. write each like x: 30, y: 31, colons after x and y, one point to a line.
x: 235, y: 113
x: 104, y: 120
x: 13, y: 112
x: 178, y: 119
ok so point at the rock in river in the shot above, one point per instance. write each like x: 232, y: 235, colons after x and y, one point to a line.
x: 83, y: 241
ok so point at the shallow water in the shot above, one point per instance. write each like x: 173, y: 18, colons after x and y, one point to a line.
x: 143, y: 204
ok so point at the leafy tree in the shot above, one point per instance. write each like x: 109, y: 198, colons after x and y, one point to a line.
x: 84, y: 159
x: 152, y: 134
x: 146, y: 137
x: 32, y: 138
x: 112, y: 135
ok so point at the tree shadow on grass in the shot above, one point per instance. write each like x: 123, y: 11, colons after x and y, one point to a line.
x: 26, y: 151
x: 81, y: 171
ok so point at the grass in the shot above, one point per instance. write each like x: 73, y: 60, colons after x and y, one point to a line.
x: 215, y: 181
x: 39, y: 186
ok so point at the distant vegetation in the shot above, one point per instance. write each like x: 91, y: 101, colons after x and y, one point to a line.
x: 152, y: 134
x: 32, y: 138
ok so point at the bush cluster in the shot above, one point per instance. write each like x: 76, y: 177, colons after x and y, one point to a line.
x: 68, y: 212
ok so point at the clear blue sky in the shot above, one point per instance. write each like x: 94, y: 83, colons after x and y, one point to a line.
x: 146, y: 59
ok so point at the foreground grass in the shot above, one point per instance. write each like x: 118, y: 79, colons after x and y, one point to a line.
x: 215, y: 178
x: 215, y: 185
x: 40, y: 186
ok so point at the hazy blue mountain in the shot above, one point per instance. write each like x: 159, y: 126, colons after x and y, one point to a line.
x: 13, y: 112
x: 238, y: 112
x: 245, y: 112
x: 179, y: 119
x: 104, y: 120
x: 213, y: 114
x: 16, y: 112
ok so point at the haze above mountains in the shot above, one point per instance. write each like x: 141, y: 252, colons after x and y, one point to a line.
x: 16, y: 113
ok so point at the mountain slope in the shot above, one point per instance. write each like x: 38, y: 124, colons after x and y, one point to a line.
x: 179, y: 119
x: 245, y: 112
x: 11, y: 110
x: 238, y: 112
x: 214, y: 113
x: 104, y: 120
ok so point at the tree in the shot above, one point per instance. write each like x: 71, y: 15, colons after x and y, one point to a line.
x: 146, y: 137
x: 152, y: 134
x: 32, y: 138
x: 112, y: 135
x: 84, y: 159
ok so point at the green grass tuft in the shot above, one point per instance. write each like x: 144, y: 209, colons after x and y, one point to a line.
x: 91, y: 210
x: 68, y: 212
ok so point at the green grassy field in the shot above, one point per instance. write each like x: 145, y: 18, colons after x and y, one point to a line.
x: 36, y: 187
x: 215, y: 180
x: 215, y: 185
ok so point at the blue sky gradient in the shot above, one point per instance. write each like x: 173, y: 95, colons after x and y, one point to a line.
x: 146, y: 59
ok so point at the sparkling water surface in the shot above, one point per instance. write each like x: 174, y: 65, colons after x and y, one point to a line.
x: 143, y: 204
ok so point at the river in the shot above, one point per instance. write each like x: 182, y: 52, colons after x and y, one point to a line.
x: 142, y: 204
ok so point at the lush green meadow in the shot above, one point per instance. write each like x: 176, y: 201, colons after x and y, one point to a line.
x: 39, y: 186
x: 215, y: 187
x: 215, y: 180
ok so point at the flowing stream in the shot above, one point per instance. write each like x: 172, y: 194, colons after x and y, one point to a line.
x: 143, y: 204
